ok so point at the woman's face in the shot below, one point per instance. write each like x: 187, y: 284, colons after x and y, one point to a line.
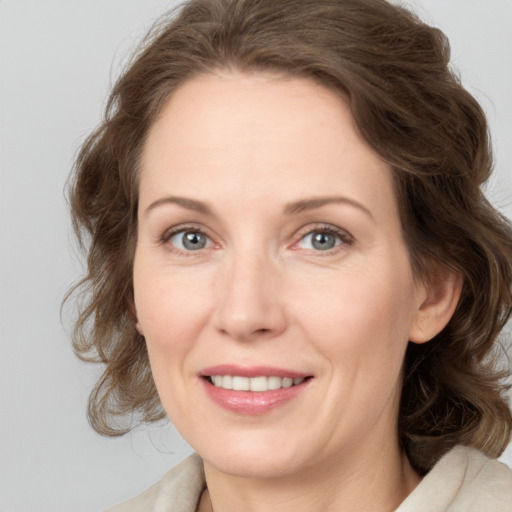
x: 270, y: 251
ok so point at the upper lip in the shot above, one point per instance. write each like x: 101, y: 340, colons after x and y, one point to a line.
x: 251, y: 371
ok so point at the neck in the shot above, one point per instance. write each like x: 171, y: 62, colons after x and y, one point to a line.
x: 378, y: 481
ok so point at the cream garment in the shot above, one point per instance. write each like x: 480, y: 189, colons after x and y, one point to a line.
x: 464, y: 480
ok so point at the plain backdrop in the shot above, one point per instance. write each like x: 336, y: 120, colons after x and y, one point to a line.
x: 57, y: 62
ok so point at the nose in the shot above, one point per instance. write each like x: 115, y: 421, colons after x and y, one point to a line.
x: 250, y: 300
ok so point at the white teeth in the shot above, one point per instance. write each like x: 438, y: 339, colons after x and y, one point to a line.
x: 262, y: 383
x: 274, y: 383
x: 259, y: 384
x: 241, y: 383
x: 287, y: 382
x: 227, y: 382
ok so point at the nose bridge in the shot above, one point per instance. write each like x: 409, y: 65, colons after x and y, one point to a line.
x: 249, y: 301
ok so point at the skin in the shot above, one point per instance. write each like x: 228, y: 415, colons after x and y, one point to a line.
x: 260, y: 293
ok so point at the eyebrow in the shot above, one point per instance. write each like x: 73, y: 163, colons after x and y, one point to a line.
x: 317, y: 202
x: 184, y: 202
x: 293, y: 208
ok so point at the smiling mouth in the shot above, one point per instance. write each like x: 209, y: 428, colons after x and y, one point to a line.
x: 255, y: 390
x: 256, y: 384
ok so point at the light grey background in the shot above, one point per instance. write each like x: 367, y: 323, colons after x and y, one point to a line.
x: 57, y: 61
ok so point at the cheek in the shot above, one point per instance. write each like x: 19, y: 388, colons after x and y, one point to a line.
x: 360, y: 320
x: 172, y: 311
x: 172, y: 308
x: 168, y: 303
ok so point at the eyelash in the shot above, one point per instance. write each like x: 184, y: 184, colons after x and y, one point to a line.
x: 166, y: 237
x: 344, y: 237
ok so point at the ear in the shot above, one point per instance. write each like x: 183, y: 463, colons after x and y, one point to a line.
x: 139, y: 328
x: 133, y: 314
x: 437, y: 299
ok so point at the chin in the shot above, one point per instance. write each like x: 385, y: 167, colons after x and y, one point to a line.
x: 253, y: 467
x: 254, y: 458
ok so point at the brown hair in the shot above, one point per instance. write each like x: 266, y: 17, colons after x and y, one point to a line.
x: 407, y: 104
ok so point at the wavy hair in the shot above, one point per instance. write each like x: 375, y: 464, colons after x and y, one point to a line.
x: 393, y: 70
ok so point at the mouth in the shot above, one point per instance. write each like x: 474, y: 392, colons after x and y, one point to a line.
x: 260, y: 383
x: 254, y: 390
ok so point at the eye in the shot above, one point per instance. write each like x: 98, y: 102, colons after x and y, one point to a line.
x: 324, y: 239
x: 189, y: 240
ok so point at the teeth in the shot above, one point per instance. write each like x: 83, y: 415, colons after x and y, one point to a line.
x: 287, y: 382
x: 226, y: 382
x: 274, y: 382
x: 238, y: 383
x: 258, y: 384
x: 241, y: 383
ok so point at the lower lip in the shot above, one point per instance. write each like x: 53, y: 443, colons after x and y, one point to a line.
x: 252, y: 402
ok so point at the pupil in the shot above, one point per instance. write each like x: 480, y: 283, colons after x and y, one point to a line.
x: 194, y: 241
x: 323, y: 241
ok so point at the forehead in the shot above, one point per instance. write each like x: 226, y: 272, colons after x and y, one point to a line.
x: 257, y: 136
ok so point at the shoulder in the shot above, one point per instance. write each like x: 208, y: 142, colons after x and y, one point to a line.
x: 464, y: 480
x: 179, y: 490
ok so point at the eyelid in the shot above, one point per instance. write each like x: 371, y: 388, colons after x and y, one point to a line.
x: 169, y: 232
x: 345, y: 237
x: 188, y: 227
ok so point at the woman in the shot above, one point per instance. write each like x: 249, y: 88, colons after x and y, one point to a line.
x: 291, y: 256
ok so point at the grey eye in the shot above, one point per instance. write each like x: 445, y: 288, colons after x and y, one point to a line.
x: 189, y: 240
x: 320, y: 241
